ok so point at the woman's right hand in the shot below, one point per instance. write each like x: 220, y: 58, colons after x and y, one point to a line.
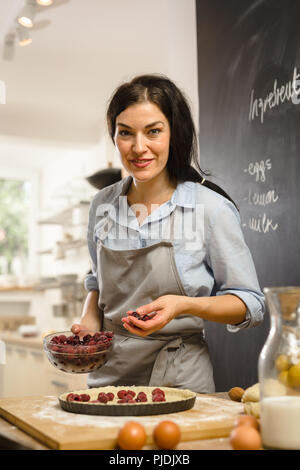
x: 90, y: 318
x: 77, y: 328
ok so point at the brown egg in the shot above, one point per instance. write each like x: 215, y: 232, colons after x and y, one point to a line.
x: 246, y: 420
x: 236, y: 393
x: 132, y: 436
x: 166, y: 435
x: 245, y: 437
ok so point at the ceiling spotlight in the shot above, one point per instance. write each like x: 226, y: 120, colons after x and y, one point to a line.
x: 23, y: 36
x: 26, y: 16
x: 44, y: 3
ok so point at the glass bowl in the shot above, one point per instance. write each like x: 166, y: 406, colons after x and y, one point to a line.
x: 78, y: 354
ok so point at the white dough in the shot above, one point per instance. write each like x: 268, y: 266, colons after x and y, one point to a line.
x: 251, y: 393
x: 252, y: 408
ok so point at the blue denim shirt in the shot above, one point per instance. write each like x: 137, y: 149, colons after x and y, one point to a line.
x: 210, y: 252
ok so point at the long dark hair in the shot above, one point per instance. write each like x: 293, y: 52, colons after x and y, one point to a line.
x: 183, y: 163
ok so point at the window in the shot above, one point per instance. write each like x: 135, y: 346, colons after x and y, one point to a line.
x: 15, y: 207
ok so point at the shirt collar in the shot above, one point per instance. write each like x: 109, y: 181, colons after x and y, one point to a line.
x: 184, y: 194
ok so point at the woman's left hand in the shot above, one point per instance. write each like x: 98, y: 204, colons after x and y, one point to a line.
x: 166, y: 307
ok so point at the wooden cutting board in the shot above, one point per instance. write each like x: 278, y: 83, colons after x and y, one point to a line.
x: 43, y: 419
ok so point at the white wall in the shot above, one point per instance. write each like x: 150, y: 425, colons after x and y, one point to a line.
x: 59, y: 167
x: 181, y: 57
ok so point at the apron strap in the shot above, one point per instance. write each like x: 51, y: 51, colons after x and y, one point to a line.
x: 172, y: 225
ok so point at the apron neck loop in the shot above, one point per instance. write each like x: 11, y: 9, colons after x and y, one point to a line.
x: 172, y: 226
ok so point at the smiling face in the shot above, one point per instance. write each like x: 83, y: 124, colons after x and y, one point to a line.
x: 142, y: 138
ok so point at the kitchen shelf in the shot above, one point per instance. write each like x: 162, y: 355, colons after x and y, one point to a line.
x: 56, y: 285
x: 65, y: 216
x: 16, y: 288
x: 44, y: 252
x: 71, y: 245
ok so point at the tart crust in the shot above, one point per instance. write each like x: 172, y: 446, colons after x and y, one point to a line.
x: 176, y: 400
x: 171, y: 394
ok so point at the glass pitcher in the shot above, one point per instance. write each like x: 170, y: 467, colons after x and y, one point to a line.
x: 279, y: 371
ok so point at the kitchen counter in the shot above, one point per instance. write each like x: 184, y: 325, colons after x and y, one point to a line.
x: 26, y: 302
x: 15, y: 439
x: 16, y: 338
x: 16, y: 288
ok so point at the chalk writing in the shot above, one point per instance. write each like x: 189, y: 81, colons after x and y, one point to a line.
x: 262, y: 199
x: 262, y: 224
x: 258, y: 169
x: 280, y: 94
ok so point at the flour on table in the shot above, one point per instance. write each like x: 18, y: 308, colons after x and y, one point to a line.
x: 52, y: 411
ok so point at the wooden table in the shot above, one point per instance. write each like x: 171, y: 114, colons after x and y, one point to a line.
x: 12, y: 438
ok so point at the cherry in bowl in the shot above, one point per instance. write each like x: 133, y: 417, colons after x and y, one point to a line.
x: 78, y: 354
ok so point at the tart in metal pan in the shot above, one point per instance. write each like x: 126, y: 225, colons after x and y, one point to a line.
x: 176, y: 400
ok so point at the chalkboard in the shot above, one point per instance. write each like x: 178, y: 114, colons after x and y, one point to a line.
x: 249, y: 101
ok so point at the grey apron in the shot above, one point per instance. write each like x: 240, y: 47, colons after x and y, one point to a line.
x: 176, y: 355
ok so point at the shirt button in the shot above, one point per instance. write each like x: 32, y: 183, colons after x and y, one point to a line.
x: 143, y: 243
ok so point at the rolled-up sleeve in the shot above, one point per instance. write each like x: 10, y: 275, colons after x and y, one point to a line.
x: 231, y: 262
x: 90, y: 281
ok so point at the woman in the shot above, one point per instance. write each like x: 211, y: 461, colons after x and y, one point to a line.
x: 166, y: 242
